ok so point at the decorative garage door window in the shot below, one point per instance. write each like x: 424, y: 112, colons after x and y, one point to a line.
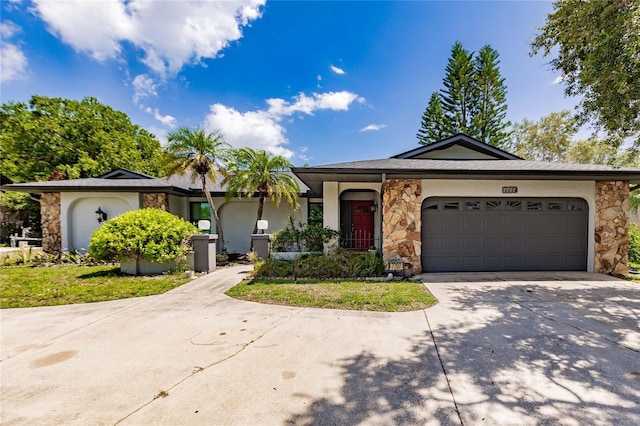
x: 504, y: 234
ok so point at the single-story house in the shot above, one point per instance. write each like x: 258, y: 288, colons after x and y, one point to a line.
x: 454, y: 205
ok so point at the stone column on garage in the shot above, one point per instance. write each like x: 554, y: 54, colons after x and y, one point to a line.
x: 611, y: 228
x: 50, y: 219
x: 157, y: 200
x: 401, y: 209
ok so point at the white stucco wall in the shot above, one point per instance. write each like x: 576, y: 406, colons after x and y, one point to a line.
x: 526, y: 188
x: 78, y: 218
x: 238, y: 218
x: 179, y: 206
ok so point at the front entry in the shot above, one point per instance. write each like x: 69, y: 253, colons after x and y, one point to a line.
x: 361, y: 225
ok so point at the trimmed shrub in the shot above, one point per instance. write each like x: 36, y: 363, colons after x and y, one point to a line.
x: 301, y: 237
x: 339, y: 264
x: 634, y: 243
x: 147, y: 234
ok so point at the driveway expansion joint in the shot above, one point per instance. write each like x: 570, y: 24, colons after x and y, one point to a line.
x: 444, y: 370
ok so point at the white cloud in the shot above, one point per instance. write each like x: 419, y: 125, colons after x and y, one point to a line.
x: 373, y: 127
x: 261, y: 129
x: 160, y: 133
x: 13, y: 61
x: 170, y: 33
x: 255, y: 129
x: 143, y: 87
x: 337, y: 70
x: 337, y: 101
x: 558, y: 79
x: 167, y: 120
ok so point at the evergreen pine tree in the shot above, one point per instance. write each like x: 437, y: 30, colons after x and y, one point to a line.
x: 489, y: 122
x: 473, y: 100
x: 459, y: 93
x: 433, y: 127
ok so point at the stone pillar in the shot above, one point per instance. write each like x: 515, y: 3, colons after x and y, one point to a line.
x: 401, y: 205
x: 261, y: 245
x: 157, y: 200
x: 611, y: 228
x: 50, y: 219
x: 204, y: 252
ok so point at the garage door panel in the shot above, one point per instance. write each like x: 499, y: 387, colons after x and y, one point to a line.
x: 492, y: 224
x: 508, y: 234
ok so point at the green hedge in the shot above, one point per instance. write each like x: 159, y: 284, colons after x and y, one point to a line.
x: 149, y: 234
x: 339, y: 264
x: 634, y: 243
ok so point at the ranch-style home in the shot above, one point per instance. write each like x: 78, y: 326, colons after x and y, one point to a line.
x: 453, y: 206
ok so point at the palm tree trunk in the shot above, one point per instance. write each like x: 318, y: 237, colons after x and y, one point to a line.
x: 259, y: 217
x: 214, y: 213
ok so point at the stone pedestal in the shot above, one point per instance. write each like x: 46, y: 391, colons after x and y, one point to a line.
x: 204, y: 252
x: 261, y: 245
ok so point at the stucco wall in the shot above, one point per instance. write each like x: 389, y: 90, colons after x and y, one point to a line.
x: 78, y: 218
x: 526, y: 188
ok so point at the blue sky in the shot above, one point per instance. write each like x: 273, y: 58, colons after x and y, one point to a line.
x: 319, y: 82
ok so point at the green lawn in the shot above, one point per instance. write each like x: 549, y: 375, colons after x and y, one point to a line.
x: 25, y: 286
x: 353, y: 295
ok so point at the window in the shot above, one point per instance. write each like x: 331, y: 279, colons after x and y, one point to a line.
x: 514, y: 205
x: 315, y: 214
x: 200, y: 211
x: 493, y: 205
x: 452, y: 205
x: 553, y: 205
x: 534, y: 205
x: 431, y: 205
x: 472, y: 205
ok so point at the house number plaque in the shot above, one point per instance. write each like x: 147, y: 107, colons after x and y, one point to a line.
x: 509, y: 189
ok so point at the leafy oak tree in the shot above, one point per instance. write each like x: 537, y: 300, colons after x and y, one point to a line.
x: 55, y: 138
x: 595, y: 45
x: 473, y: 100
x: 553, y: 138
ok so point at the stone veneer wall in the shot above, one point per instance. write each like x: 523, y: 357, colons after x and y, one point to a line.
x: 156, y: 200
x: 50, y: 219
x: 611, y: 227
x: 401, y: 203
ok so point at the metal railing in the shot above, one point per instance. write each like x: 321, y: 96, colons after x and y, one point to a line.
x: 359, y: 240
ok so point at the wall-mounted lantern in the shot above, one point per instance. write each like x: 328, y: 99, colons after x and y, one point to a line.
x: 262, y: 225
x: 374, y: 206
x: 100, y: 215
x: 204, y: 226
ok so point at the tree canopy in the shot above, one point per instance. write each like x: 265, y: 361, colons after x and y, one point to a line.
x: 256, y: 171
x: 595, y: 45
x: 553, y: 138
x: 55, y: 138
x: 473, y: 100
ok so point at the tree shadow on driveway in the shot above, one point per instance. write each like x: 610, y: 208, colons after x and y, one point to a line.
x: 552, y: 353
x: 521, y: 353
x: 376, y: 390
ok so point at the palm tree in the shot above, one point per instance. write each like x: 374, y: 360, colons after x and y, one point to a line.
x: 256, y: 171
x: 199, y: 154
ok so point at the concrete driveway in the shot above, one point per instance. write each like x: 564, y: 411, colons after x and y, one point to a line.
x: 498, y: 349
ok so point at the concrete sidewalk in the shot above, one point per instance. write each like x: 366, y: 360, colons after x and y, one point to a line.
x: 522, y: 349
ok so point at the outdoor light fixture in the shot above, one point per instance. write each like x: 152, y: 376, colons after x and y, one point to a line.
x: 262, y: 225
x: 204, y: 225
x: 374, y: 206
x: 100, y: 215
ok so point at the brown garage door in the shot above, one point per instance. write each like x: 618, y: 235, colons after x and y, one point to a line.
x: 504, y: 234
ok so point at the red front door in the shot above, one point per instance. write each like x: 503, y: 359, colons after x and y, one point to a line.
x: 361, y: 225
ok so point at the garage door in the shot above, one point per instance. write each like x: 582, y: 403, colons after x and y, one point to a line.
x: 504, y: 234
